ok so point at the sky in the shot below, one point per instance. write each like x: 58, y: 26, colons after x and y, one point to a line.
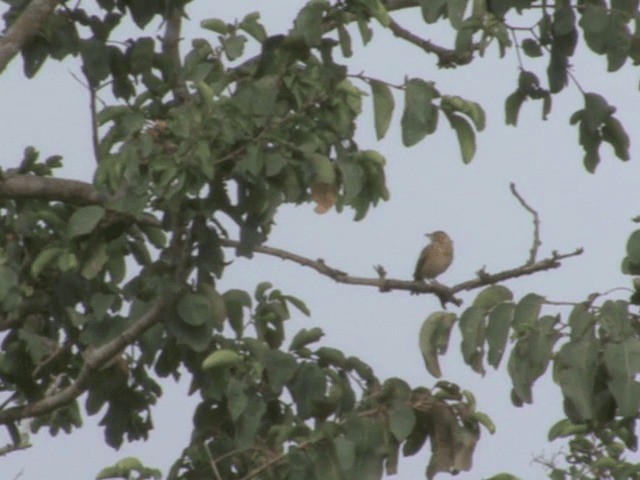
x: 430, y: 189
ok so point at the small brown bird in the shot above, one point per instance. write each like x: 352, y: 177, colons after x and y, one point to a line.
x: 435, y: 258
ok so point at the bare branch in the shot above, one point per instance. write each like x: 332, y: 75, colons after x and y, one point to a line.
x: 384, y: 284
x: 24, y: 29
x: 93, y: 362
x: 536, y: 225
x: 10, y: 448
x: 446, y: 57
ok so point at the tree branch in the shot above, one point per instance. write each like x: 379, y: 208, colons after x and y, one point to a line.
x: 447, y: 58
x: 48, y: 188
x: 24, y: 29
x: 93, y: 362
x: 171, y: 48
x: 444, y: 293
x: 536, y: 225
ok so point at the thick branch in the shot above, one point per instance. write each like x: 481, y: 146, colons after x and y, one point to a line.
x: 171, y: 48
x: 444, y: 293
x: 24, y: 29
x: 93, y: 362
x: 51, y: 189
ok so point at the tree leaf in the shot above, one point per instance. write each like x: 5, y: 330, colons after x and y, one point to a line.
x: 466, y: 136
x: 455, y: 11
x: 527, y: 310
x: 44, y: 259
x: 434, y: 339
x: 280, y: 368
x: 222, y: 358
x: 512, y: 107
x: 614, y: 133
x: 531, y: 48
x: 215, y: 25
x: 383, y: 105
x: 497, y: 332
x: 472, y: 328
x: 84, y: 220
x: 305, y: 337
x: 420, y: 116
x: 195, y: 309
x: 402, y: 419
x: 491, y: 296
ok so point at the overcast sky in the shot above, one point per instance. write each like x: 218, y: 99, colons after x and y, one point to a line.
x: 430, y: 189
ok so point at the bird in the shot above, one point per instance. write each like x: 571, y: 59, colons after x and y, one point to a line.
x: 435, y: 258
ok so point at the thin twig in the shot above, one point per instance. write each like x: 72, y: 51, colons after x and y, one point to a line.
x: 447, y: 58
x: 536, y: 225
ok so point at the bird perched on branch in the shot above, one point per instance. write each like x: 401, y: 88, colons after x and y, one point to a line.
x: 435, y: 258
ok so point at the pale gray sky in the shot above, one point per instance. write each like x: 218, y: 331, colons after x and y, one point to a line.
x: 430, y: 189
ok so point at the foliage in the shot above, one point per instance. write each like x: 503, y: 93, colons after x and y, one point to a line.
x: 190, y: 144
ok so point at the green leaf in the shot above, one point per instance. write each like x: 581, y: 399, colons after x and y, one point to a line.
x: 434, y: 339
x: 420, y: 116
x: 304, y: 337
x: 280, y: 367
x: 324, y: 170
x: 472, y: 328
x: 307, y: 388
x: 378, y: 11
x: 143, y: 11
x: 44, y: 259
x: 235, y: 300
x: 564, y: 18
x: 512, y: 107
x: 254, y: 28
x: 84, y: 220
x: 432, y: 10
x: 97, y: 259
x: 497, y: 332
x: 531, y: 48
x: 383, y: 105
x: 95, y: 62
x: 456, y: 10
x: 195, y: 309
x: 596, y: 111
x: 623, y: 364
x: 527, y: 311
x: 614, y: 133
x: 308, y: 23
x: 582, y: 323
x: 491, y: 296
x: 566, y: 428
x: 402, y: 419
x: 466, y: 136
x: 215, y: 25
x: 299, y: 304
x: 261, y: 289
x: 8, y: 280
x: 234, y: 46
x: 574, y: 369
x: 594, y: 18
x: 345, y: 41
x: 353, y: 179
x: 222, y: 358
